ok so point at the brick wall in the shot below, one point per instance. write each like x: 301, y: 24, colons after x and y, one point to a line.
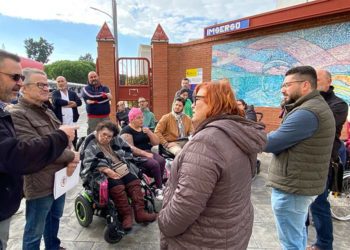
x: 106, y: 70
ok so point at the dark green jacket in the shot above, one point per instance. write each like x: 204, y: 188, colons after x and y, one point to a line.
x: 303, y: 168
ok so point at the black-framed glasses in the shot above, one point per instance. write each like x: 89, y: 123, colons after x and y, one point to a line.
x: 40, y: 85
x: 142, y: 101
x: 198, y: 97
x: 288, y: 84
x: 15, y: 77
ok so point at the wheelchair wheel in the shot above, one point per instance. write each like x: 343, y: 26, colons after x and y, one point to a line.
x: 112, y: 235
x: 340, y: 202
x: 83, y: 211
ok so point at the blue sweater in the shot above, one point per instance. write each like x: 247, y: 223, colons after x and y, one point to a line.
x: 297, y: 127
x: 101, y: 107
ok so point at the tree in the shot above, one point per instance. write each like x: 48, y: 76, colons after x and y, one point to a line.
x: 87, y: 57
x: 38, y: 50
x: 73, y: 71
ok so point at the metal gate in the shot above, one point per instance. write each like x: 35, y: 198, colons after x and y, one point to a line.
x: 134, y: 80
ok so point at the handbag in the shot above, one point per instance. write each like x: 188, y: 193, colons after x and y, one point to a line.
x: 121, y: 168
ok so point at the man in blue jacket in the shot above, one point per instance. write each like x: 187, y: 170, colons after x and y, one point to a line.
x: 19, y: 157
x: 97, y: 98
x: 65, y: 104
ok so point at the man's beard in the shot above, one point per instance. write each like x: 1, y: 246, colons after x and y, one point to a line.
x: 95, y: 82
x: 292, y: 98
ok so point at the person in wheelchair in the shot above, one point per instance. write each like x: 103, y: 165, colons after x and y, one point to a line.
x: 105, y: 154
x: 141, y: 139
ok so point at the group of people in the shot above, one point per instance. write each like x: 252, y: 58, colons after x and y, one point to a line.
x: 206, y: 201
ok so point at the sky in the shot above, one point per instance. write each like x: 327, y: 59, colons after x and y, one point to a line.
x: 72, y: 26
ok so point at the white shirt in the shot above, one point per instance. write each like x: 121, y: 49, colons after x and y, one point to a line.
x: 67, y: 113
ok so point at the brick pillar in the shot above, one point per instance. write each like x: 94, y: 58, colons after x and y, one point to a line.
x: 105, y: 65
x: 160, y: 44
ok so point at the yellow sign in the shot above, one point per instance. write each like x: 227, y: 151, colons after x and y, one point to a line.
x: 194, y: 75
x: 191, y: 73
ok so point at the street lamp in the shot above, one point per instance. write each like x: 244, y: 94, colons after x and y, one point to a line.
x: 115, y: 24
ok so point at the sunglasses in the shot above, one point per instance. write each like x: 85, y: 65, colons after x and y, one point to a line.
x: 15, y: 77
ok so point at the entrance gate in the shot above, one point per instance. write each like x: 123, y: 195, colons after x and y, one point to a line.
x: 134, y: 80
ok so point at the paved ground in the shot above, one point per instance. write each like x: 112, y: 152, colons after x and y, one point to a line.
x: 74, y: 236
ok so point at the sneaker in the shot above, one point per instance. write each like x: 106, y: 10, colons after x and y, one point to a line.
x: 159, y: 194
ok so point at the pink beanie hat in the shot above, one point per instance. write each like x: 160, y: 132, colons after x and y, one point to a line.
x: 133, y: 113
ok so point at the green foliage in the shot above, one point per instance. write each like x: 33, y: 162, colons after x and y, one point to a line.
x: 133, y: 80
x: 38, y: 50
x: 87, y: 57
x: 73, y: 71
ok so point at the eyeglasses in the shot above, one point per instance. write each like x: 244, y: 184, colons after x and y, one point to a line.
x: 288, y: 84
x: 142, y: 101
x: 198, y: 97
x: 15, y: 77
x: 40, y: 85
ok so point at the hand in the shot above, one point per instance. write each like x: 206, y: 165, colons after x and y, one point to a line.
x: 112, y: 174
x: 104, y: 95
x: 109, y: 96
x: 146, y: 130
x: 70, y: 168
x: 90, y: 101
x: 171, y: 144
x: 149, y: 155
x: 76, y: 157
x: 69, y: 130
x: 72, y: 104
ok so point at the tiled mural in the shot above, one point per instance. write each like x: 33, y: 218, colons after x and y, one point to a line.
x: 256, y: 66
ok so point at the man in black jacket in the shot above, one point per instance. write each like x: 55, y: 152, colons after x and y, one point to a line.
x: 65, y: 104
x: 18, y: 157
x: 320, y: 208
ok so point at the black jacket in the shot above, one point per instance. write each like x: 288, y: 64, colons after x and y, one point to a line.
x: 340, y: 111
x: 18, y: 158
x: 58, y: 102
x: 250, y: 113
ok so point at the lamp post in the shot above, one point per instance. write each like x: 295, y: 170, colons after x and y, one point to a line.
x: 115, y: 24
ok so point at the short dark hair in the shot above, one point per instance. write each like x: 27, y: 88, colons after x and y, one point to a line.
x: 183, y: 90
x: 306, y: 72
x: 108, y: 125
x: 7, y: 55
x: 180, y: 99
x: 185, y: 79
x: 243, y: 103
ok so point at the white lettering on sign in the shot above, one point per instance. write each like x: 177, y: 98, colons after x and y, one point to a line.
x: 220, y: 29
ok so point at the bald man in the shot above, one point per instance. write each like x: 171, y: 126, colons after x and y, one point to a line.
x: 320, y: 208
x: 65, y: 104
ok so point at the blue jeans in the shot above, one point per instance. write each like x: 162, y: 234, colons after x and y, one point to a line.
x: 290, y: 211
x: 321, y: 215
x: 43, y: 218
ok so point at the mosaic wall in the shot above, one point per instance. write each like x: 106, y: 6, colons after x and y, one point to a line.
x: 255, y: 67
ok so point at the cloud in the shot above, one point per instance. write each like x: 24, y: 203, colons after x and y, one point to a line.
x: 181, y: 19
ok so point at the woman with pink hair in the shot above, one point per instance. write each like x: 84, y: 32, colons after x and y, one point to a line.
x: 141, y: 139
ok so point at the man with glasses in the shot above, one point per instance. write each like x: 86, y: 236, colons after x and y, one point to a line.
x: 65, y: 104
x: 174, y: 127
x: 33, y: 119
x: 301, y: 149
x: 149, y: 120
x: 20, y: 157
x: 97, y: 98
